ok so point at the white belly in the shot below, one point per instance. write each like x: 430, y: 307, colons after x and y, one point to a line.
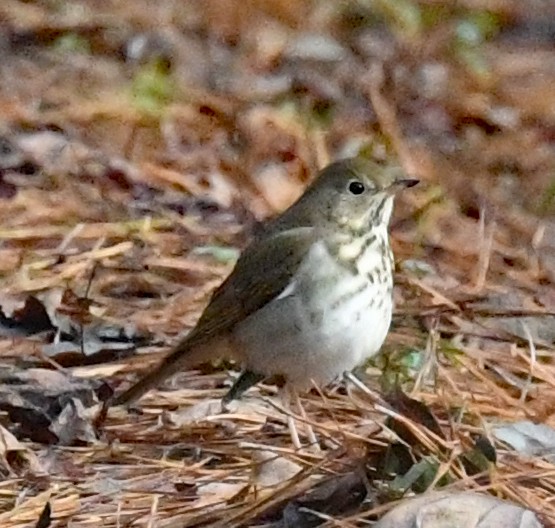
x: 317, y: 329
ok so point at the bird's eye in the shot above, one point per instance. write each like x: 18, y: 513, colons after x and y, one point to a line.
x: 356, y: 187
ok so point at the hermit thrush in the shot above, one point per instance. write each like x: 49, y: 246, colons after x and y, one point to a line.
x: 311, y: 297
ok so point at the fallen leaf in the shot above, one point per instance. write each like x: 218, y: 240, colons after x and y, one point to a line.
x: 271, y: 469
x: 528, y: 438
x: 460, y: 510
x: 214, y: 493
x: 20, y: 458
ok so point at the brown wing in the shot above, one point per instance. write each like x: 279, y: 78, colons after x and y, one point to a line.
x: 264, y: 270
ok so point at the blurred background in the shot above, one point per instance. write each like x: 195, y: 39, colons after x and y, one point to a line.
x: 113, y: 110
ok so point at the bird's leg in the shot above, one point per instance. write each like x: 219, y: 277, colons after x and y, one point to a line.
x: 245, y: 381
x: 286, y: 396
x: 313, y: 441
x: 349, y: 376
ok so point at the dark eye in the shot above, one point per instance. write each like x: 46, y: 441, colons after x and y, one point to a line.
x: 356, y: 187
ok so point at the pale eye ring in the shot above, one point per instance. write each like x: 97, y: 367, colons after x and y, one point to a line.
x: 356, y: 187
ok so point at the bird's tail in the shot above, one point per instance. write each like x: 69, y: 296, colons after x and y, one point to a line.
x: 185, y: 355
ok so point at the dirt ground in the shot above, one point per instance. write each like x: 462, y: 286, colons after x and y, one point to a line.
x: 141, y: 145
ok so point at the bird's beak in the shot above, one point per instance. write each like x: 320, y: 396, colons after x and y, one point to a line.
x: 399, y: 184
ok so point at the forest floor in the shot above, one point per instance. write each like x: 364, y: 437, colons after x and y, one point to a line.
x: 141, y: 143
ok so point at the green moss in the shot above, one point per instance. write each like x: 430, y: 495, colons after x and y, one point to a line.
x: 71, y: 43
x: 420, y: 477
x: 473, y: 30
x: 547, y: 203
x: 222, y: 254
x: 398, y: 366
x: 404, y: 15
x: 153, y: 88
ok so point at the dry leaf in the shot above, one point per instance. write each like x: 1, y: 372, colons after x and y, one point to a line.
x: 460, y: 510
x: 196, y: 413
x: 528, y: 438
x: 216, y: 493
x: 11, y: 450
x: 271, y: 469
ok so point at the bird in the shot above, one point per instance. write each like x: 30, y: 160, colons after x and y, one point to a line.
x: 311, y: 297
